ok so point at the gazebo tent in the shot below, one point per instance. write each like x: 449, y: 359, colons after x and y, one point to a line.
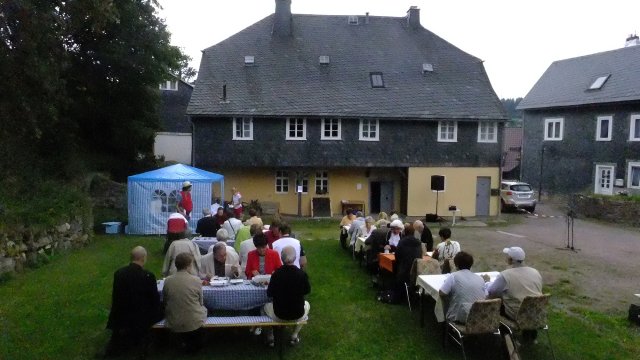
x: 152, y: 196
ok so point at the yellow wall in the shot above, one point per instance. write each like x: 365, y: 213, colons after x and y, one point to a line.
x: 460, y: 190
x: 260, y: 184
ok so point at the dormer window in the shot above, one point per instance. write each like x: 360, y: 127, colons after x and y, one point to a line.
x: 324, y: 59
x: 376, y: 80
x: 353, y: 20
x: 597, y: 83
x: 249, y: 60
x: 170, y: 85
x: 427, y: 68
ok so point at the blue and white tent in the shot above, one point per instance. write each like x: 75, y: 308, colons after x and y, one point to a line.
x: 152, y: 196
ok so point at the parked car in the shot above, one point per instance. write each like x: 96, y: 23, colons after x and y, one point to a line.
x: 517, y: 195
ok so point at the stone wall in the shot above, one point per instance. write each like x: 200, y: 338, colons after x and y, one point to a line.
x: 612, y: 209
x: 24, y: 247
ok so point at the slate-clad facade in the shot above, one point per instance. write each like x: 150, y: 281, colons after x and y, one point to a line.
x: 174, y: 141
x: 270, y: 77
x: 598, y: 150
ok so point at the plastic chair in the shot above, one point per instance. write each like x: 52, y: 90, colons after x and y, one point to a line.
x: 532, y: 315
x: 483, y: 319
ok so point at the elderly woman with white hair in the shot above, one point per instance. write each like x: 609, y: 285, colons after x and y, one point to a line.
x: 368, y: 227
x: 424, y: 234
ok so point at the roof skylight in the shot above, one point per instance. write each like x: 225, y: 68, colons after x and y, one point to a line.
x: 597, y: 84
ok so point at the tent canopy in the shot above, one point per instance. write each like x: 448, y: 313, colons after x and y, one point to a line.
x: 178, y: 172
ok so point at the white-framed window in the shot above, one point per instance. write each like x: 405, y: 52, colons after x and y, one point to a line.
x: 282, y: 182
x: 159, y: 201
x: 447, y: 131
x: 488, y: 132
x: 304, y: 182
x: 296, y: 129
x: 553, y: 128
x: 242, y: 128
x: 604, y: 124
x: 634, y: 128
x: 171, y: 85
x: 633, y: 175
x: 369, y: 130
x: 322, y: 182
x: 331, y: 129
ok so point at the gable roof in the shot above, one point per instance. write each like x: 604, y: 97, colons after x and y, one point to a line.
x: 288, y: 80
x: 567, y: 82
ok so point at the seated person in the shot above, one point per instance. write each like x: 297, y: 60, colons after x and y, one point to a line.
x: 207, y: 225
x: 262, y: 260
x: 287, y: 288
x: 273, y: 233
x: 247, y: 246
x: 462, y: 288
x: 393, y: 236
x: 409, y: 248
x: 344, y: 224
x: 135, y: 306
x: 220, y: 217
x: 376, y: 242
x: 446, y: 250
x: 232, y: 225
x: 383, y: 219
x: 368, y: 227
x: 424, y: 234
x: 222, y: 236
x: 184, y: 304
x: 355, y: 228
x: 287, y: 239
x: 217, y: 263
x: 253, y: 218
x: 243, y: 234
x: 180, y: 246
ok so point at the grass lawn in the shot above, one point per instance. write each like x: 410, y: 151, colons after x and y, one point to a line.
x: 59, y: 311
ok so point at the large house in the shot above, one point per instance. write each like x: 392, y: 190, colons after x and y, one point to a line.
x: 582, y: 124
x: 174, y: 141
x: 359, y: 109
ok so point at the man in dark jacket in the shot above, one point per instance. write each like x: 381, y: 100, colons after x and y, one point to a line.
x: 287, y: 288
x: 409, y: 249
x: 207, y: 225
x: 135, y: 305
x: 376, y: 242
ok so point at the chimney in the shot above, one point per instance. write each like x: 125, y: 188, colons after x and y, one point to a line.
x: 413, y: 18
x: 632, y: 40
x: 366, y: 18
x: 282, y: 18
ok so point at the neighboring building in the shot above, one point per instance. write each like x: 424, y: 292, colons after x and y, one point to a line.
x: 361, y: 108
x: 582, y: 124
x: 512, y: 152
x: 174, y: 142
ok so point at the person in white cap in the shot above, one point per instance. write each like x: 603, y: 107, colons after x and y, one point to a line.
x: 184, y: 200
x: 515, y: 283
x: 393, y: 236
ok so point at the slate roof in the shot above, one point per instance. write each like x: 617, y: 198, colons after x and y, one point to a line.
x: 566, y: 82
x: 287, y: 79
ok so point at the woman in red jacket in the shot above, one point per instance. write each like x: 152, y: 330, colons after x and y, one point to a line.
x: 262, y: 260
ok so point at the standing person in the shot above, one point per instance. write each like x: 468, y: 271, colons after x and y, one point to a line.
x: 446, y: 250
x: 287, y: 288
x: 287, y: 240
x: 135, y: 305
x: 514, y: 284
x: 262, y: 260
x: 184, y: 200
x: 184, y: 304
x: 462, y: 288
x: 236, y: 202
x: 425, y: 235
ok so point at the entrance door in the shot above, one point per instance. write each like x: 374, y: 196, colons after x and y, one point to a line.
x: 386, y: 196
x: 604, y: 179
x: 483, y: 195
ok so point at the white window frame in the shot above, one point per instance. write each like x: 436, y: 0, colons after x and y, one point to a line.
x: 242, y: 121
x: 599, y: 136
x: 630, y: 166
x: 365, y: 134
x: 322, y: 182
x: 632, y: 127
x: 304, y: 129
x: 329, y: 122
x: 554, y: 137
x: 443, y: 136
x: 304, y: 182
x: 487, y: 125
x: 169, y: 85
x: 282, y: 182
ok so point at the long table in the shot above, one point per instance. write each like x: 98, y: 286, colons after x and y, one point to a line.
x: 431, y: 284
x: 245, y: 296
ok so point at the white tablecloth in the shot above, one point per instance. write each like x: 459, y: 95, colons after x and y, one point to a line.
x: 431, y: 285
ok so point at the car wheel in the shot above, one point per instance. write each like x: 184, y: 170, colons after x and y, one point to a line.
x: 531, y: 209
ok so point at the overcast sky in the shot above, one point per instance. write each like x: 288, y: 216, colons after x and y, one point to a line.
x: 516, y: 39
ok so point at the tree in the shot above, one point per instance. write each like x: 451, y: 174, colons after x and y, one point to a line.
x: 84, y: 81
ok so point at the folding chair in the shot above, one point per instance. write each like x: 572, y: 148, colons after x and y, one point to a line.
x: 483, y: 319
x: 532, y: 315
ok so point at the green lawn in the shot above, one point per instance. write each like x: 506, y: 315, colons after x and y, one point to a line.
x: 59, y: 311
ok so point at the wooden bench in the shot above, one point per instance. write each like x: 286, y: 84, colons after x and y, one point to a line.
x: 246, y: 321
